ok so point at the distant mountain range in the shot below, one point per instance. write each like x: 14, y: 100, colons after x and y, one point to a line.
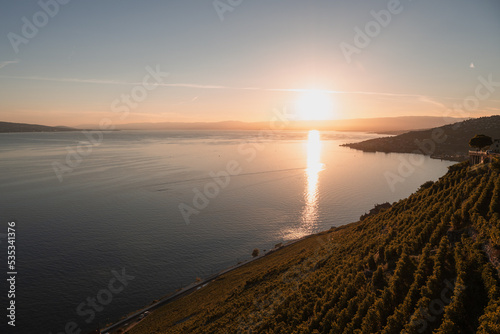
x: 449, y: 142
x: 380, y: 125
x: 22, y: 127
x: 387, y: 125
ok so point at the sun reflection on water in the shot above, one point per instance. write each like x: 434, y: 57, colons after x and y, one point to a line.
x: 309, y: 215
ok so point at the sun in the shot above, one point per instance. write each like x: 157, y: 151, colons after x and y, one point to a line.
x: 314, y: 105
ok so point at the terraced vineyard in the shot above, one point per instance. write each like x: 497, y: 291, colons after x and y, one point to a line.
x: 425, y: 265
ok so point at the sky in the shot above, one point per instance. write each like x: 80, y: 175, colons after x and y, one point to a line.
x: 73, y: 62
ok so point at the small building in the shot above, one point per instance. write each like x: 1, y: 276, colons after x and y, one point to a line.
x: 477, y: 157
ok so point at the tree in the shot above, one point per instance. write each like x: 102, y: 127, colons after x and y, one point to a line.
x: 480, y: 141
x: 378, y: 279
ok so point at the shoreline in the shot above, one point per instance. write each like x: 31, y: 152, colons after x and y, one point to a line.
x: 445, y: 157
x: 195, y: 286
x: 133, y: 319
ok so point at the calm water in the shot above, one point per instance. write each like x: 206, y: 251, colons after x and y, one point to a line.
x: 119, y: 208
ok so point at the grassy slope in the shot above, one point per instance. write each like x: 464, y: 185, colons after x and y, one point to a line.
x: 453, y: 148
x: 421, y: 266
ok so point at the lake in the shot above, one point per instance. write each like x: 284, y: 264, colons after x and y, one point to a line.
x: 146, y: 212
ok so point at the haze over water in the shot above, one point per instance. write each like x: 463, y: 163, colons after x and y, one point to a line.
x: 120, y: 208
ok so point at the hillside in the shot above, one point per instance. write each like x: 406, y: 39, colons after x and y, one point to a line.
x: 453, y: 142
x: 427, y: 264
x: 22, y: 127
